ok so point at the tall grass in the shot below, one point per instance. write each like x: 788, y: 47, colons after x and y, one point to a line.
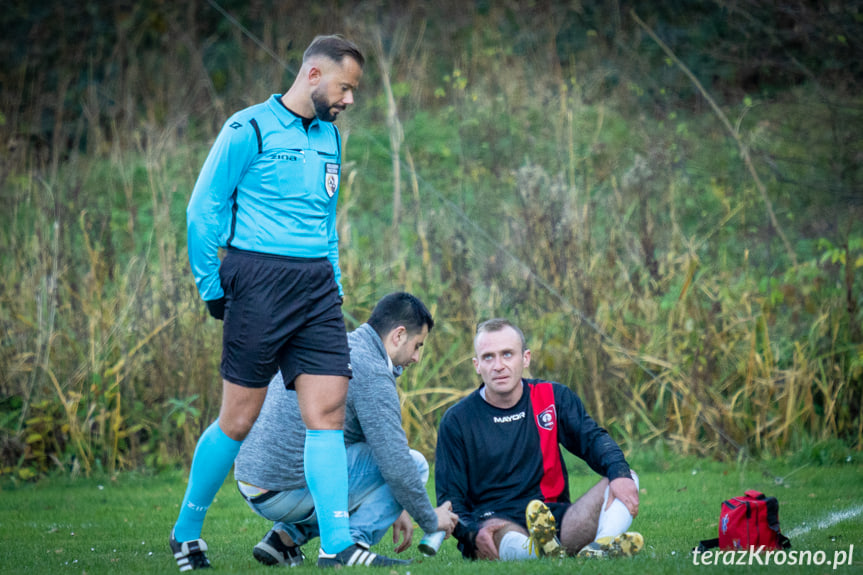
x: 608, y: 215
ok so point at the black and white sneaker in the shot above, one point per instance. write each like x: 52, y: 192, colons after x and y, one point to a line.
x: 357, y: 554
x: 189, y: 554
x: 271, y: 550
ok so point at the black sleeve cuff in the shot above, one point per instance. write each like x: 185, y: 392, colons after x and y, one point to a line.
x: 466, y: 536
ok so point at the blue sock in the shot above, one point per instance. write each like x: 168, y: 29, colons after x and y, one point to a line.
x: 214, y: 457
x: 326, y: 467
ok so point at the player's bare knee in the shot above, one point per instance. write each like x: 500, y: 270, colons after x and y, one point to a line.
x: 237, y: 425
x: 324, y: 416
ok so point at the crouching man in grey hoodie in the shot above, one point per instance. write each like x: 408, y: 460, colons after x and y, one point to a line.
x: 386, y: 478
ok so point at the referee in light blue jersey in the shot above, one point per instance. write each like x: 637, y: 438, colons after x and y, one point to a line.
x: 267, y: 193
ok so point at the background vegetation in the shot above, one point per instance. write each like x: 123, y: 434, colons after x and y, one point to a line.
x: 667, y: 199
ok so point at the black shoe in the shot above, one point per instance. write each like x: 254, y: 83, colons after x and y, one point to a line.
x: 271, y: 550
x: 189, y: 554
x: 357, y: 554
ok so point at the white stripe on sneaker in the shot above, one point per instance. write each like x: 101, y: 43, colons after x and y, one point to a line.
x: 361, y: 557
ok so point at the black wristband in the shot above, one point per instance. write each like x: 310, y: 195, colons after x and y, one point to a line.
x: 216, y: 307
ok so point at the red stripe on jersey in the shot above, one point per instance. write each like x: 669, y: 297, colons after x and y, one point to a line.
x: 545, y: 417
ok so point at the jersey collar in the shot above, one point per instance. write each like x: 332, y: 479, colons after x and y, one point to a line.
x: 284, y: 115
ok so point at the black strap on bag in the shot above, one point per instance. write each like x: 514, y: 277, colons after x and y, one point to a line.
x: 707, y: 544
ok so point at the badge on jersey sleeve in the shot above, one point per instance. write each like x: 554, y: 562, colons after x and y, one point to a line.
x: 332, y: 179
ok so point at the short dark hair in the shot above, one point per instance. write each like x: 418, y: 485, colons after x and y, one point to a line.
x: 397, y: 309
x: 497, y: 324
x: 335, y: 47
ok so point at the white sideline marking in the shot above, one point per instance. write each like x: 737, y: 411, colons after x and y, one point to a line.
x: 827, y: 522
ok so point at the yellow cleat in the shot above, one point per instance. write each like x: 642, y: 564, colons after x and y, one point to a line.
x: 541, y: 526
x: 623, y: 545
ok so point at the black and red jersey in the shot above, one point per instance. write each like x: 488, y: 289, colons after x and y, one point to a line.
x: 493, y: 462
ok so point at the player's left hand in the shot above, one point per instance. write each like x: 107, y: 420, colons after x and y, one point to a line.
x: 624, y: 489
x: 485, y: 545
x: 403, y: 528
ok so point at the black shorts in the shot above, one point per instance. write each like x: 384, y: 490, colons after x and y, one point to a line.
x: 281, y: 313
x: 519, y: 517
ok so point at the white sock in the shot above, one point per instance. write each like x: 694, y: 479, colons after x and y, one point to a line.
x: 514, y: 547
x: 616, y: 519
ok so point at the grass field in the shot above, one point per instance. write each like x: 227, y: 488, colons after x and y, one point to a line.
x: 120, y: 524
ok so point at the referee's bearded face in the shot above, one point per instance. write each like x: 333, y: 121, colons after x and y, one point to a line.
x: 500, y: 361
x: 335, y: 87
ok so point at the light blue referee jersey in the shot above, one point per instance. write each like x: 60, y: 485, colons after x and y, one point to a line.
x: 267, y: 186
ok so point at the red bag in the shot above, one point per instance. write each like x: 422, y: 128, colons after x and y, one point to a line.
x: 750, y: 521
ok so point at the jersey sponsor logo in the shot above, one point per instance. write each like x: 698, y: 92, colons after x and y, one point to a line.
x: 341, y: 514
x: 546, y: 418
x: 332, y: 180
x: 510, y: 418
x: 236, y: 125
x: 287, y: 157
